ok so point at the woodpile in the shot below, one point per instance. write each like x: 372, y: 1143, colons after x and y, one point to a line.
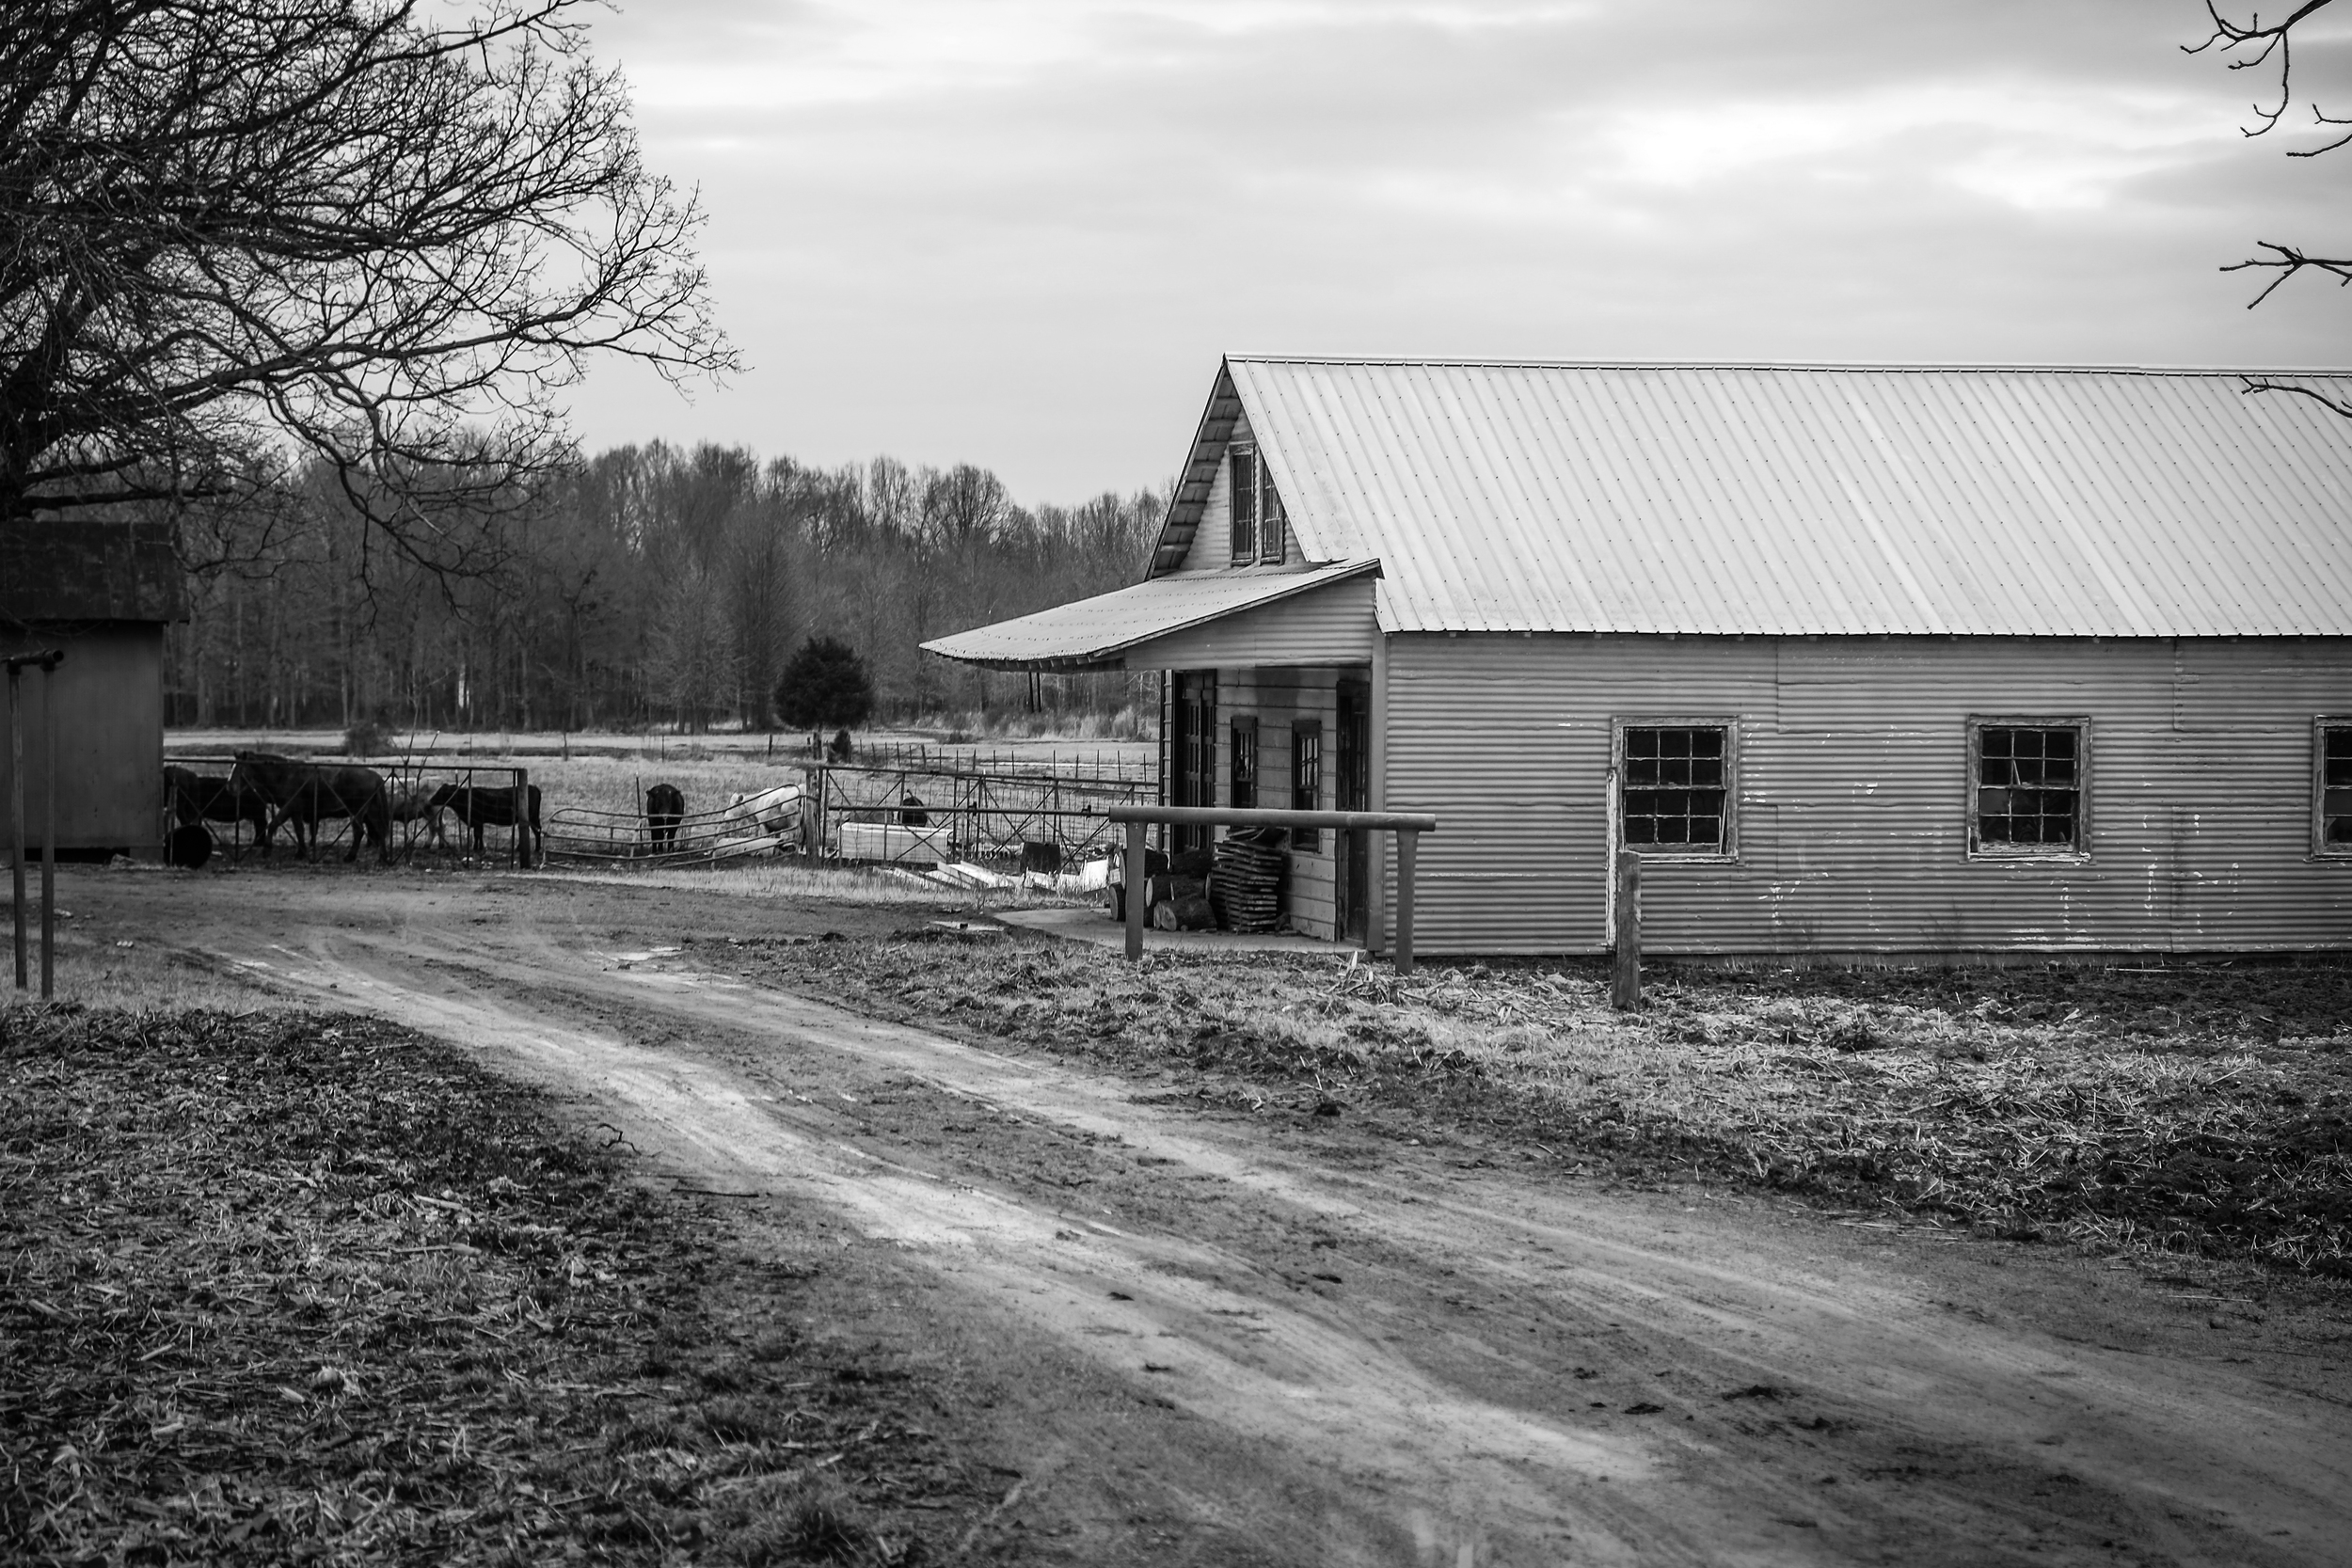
x: 1246, y: 889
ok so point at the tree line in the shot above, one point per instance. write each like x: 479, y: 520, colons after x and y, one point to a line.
x: 648, y: 586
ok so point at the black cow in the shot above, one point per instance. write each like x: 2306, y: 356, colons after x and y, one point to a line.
x: 478, y: 808
x: 304, y: 792
x: 665, y: 808
x: 196, y: 798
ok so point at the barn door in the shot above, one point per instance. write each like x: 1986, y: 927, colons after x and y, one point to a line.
x: 1194, y: 749
x: 1352, y: 792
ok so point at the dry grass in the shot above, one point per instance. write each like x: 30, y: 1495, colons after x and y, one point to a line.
x: 298, y: 1289
x: 2199, y: 1111
x: 821, y: 883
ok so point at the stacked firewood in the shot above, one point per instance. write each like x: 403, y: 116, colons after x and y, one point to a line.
x: 1246, y: 888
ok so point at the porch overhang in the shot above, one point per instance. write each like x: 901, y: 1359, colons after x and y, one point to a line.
x: 1104, y: 632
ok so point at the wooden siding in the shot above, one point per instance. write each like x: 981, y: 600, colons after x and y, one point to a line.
x: 1212, y: 547
x: 110, y: 737
x: 1852, y: 792
x: 1324, y: 625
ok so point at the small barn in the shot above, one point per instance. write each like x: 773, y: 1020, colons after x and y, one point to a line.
x: 1859, y: 659
x: 101, y: 592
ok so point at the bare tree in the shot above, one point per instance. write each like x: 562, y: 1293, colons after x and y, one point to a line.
x: 383, y: 232
x: 2255, y: 44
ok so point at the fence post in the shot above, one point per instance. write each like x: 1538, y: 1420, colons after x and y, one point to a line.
x: 16, y: 807
x: 1136, y: 884
x: 1625, y: 982
x: 522, y: 819
x: 48, y: 830
x: 1408, y: 850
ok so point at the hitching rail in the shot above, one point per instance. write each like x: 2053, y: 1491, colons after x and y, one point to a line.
x: 1408, y: 826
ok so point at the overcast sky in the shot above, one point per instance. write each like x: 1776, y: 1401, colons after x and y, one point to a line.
x: 1020, y: 232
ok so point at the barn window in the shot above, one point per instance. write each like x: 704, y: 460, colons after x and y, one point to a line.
x: 1307, y: 779
x: 2331, y: 787
x: 1273, y: 522
x: 1243, y: 464
x: 1244, y: 775
x: 2029, y: 783
x: 1673, y: 786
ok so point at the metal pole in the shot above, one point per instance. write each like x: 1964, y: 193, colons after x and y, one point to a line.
x: 1625, y: 983
x: 1136, y: 880
x: 1407, y: 848
x: 49, y: 830
x: 16, y: 808
x: 522, y: 819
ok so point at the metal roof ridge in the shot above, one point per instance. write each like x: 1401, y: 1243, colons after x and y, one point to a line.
x: 1897, y: 367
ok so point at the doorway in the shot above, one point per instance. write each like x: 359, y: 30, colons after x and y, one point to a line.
x: 1193, y: 750
x: 1352, y: 792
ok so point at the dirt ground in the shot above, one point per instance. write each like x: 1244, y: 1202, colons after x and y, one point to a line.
x: 1202, y: 1334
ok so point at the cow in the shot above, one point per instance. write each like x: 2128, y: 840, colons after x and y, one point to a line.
x: 665, y: 808
x: 304, y: 792
x: 196, y: 798
x: 773, y: 812
x: 479, y: 808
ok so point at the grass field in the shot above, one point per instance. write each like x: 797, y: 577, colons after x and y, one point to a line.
x: 2203, y: 1110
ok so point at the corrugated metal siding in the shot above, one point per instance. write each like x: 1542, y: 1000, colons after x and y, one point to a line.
x: 1095, y: 633
x: 1712, y: 499
x: 1331, y: 625
x: 1853, y: 792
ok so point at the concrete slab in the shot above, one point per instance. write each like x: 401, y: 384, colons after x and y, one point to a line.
x: 1095, y: 924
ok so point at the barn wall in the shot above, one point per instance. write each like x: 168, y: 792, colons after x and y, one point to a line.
x: 1332, y: 625
x: 110, y: 735
x: 1852, y: 792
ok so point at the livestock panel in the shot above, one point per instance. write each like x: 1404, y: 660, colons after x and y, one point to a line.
x: 110, y: 736
x: 1852, y: 792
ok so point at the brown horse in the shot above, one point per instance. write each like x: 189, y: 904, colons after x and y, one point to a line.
x: 480, y: 808
x: 200, y: 798
x: 304, y: 792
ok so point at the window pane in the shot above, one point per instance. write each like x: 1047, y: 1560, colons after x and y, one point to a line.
x: 1673, y: 786
x: 2025, y: 779
x: 1245, y: 494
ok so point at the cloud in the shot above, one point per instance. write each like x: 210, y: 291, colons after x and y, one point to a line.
x: 1019, y: 231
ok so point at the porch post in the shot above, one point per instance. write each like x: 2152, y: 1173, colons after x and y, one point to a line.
x: 1136, y: 880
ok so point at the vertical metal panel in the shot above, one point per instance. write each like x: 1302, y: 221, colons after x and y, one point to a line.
x: 110, y: 737
x: 1816, y: 501
x: 1853, y: 792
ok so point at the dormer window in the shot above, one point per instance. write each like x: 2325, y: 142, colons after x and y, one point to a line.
x: 1260, y: 527
x: 1245, y: 466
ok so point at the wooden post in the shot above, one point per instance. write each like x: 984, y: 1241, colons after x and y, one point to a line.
x: 1625, y: 984
x: 16, y: 808
x: 1407, y: 846
x: 1137, y: 882
x: 49, y: 830
x: 522, y: 819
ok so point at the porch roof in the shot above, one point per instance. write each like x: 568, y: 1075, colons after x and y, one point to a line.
x: 1099, y: 633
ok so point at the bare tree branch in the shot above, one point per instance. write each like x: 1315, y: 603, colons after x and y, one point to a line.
x: 388, y: 232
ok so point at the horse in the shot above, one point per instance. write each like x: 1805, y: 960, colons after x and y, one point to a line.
x: 414, y: 803
x: 196, y: 798
x: 665, y: 808
x: 303, y: 792
x: 481, y: 807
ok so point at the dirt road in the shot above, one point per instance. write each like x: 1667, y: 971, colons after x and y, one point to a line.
x: 1341, y: 1346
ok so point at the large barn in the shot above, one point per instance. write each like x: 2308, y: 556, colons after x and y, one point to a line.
x: 1859, y: 659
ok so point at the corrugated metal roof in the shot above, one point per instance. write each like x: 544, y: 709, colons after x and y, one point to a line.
x: 1093, y: 633
x: 54, y: 570
x: 1792, y: 501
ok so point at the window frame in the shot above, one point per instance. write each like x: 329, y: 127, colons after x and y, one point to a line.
x: 1241, y: 503
x: 2321, y: 848
x: 1239, y: 780
x: 2077, y: 853
x: 1307, y: 790
x: 1724, y: 852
